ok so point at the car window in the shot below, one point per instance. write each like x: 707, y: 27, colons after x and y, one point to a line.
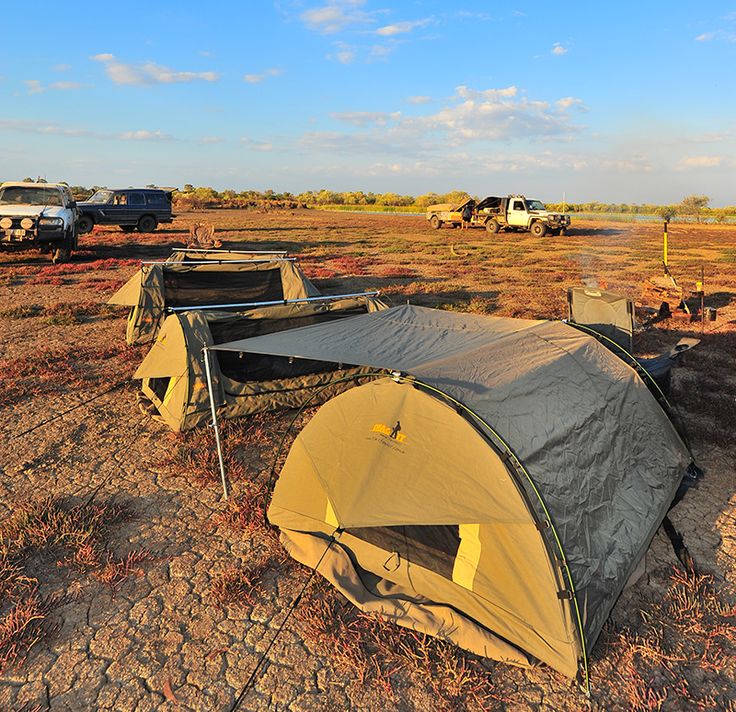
x: 22, y: 195
x: 101, y: 196
x: 136, y: 199
x: 120, y: 199
x: 518, y: 205
x: 155, y: 198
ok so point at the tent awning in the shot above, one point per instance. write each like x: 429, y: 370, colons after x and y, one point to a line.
x: 381, y: 339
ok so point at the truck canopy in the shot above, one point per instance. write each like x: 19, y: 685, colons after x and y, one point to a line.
x: 490, y: 202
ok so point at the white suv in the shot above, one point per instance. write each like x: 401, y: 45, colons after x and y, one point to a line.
x: 39, y: 215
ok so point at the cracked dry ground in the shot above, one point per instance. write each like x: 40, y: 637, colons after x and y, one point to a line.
x: 162, y: 639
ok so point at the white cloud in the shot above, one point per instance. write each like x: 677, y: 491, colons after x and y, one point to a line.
x: 568, y: 102
x: 367, y: 118
x: 381, y: 52
x: 344, y: 53
x: 725, y: 34
x: 470, y: 117
x: 412, y: 168
x: 257, y: 145
x: 419, y: 99
x: 65, y: 86
x: 62, y: 67
x: 148, y: 73
x: 400, y: 28
x: 34, y: 86
x: 494, y: 115
x: 487, y: 94
x: 558, y: 49
x: 700, y: 162
x: 258, y: 78
x: 52, y: 129
x: 337, y: 15
x: 144, y: 135
x: 210, y: 140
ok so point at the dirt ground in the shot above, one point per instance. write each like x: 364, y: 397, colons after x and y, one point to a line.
x: 183, y: 626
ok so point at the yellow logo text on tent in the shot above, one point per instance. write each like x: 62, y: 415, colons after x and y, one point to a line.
x: 390, y: 432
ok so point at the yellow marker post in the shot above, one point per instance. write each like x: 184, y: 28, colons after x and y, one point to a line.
x: 664, y: 245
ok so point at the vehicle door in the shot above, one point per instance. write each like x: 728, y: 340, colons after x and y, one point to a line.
x: 136, y: 206
x: 114, y: 212
x: 71, y: 205
x: 518, y: 215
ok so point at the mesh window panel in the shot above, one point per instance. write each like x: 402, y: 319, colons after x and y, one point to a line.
x: 433, y: 547
x: 189, y: 289
x: 263, y: 367
x: 159, y: 386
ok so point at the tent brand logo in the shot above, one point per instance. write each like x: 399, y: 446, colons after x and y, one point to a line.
x: 390, y: 432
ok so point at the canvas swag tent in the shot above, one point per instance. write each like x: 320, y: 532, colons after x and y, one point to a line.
x: 174, y: 387
x: 161, y: 286
x: 498, y: 492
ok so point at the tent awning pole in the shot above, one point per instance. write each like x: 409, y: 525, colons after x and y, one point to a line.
x: 215, y: 262
x: 231, y: 252
x: 304, y: 300
x: 215, y: 425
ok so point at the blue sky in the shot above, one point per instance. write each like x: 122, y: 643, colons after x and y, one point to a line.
x: 616, y: 101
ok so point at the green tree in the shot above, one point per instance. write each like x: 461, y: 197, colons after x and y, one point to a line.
x: 666, y: 212
x: 694, y: 205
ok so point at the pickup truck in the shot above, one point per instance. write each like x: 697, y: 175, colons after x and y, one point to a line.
x: 39, y: 216
x: 513, y: 213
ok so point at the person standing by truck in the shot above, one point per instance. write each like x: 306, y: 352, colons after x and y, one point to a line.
x: 466, y: 215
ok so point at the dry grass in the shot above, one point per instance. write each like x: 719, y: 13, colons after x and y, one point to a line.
x: 61, y: 313
x: 76, y: 536
x: 52, y: 273
x: 25, y: 624
x: 62, y: 370
x: 240, y: 586
x: 680, y: 654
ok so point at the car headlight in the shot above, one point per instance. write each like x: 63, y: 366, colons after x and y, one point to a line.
x: 6, y: 223
x: 26, y: 223
x: 51, y: 222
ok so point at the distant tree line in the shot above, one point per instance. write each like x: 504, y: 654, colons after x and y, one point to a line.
x: 197, y: 198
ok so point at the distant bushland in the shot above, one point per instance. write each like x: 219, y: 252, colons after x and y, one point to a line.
x: 690, y: 208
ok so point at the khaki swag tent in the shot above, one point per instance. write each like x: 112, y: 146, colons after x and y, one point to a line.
x: 160, y: 287
x: 181, y: 254
x: 498, y: 491
x: 174, y: 385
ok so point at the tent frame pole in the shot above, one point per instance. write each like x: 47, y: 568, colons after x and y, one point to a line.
x: 233, y: 252
x: 215, y: 425
x: 277, y: 302
x: 186, y: 263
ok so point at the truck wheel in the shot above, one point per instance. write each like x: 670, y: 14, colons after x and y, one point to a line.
x: 60, y: 254
x: 492, y: 226
x: 127, y: 228
x: 147, y: 224
x: 435, y: 223
x: 85, y: 224
x: 539, y: 229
